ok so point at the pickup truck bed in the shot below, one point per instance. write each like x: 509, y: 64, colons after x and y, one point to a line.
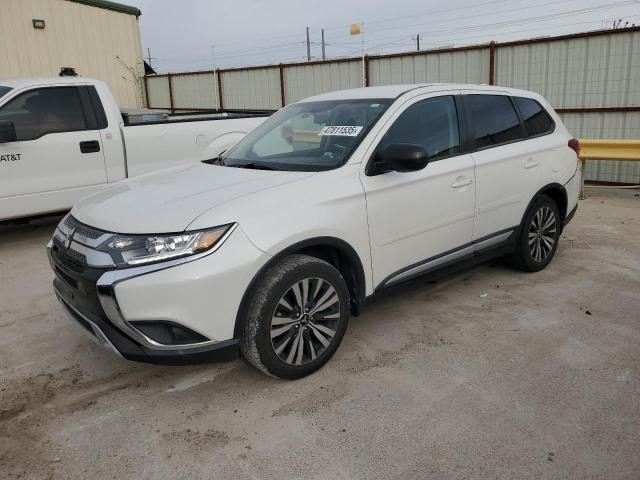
x: 175, y: 137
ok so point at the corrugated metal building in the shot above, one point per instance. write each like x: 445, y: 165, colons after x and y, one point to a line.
x: 100, y: 39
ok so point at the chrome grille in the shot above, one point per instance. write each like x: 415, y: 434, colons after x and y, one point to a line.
x: 83, y: 229
x: 79, y: 243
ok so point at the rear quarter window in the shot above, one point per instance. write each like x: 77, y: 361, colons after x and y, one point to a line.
x: 494, y: 120
x: 536, y: 119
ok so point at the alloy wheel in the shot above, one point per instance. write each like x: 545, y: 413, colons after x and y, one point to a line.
x: 542, y: 234
x: 305, y: 321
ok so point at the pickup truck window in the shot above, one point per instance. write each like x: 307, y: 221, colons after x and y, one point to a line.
x: 430, y: 123
x: 45, y: 110
x: 4, y: 90
x: 308, y: 136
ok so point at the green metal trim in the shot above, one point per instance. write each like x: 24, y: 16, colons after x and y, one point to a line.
x: 116, y: 7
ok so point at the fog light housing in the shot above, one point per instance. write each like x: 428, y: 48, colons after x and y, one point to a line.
x: 168, y: 333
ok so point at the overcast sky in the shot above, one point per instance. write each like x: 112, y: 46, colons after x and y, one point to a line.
x: 198, y: 34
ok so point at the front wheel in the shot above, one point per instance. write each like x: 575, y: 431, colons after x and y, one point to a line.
x: 296, y: 317
x: 538, y: 238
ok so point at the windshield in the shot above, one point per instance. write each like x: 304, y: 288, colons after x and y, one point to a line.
x: 3, y: 90
x: 308, y: 136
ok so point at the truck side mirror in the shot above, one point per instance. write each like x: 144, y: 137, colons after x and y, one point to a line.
x: 7, y: 131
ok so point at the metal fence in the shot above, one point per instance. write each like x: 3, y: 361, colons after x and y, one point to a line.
x: 591, y: 78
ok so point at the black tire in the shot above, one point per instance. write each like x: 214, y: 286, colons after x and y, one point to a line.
x: 533, y: 259
x: 279, y: 283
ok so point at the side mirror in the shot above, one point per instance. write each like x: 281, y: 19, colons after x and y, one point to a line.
x: 401, y: 157
x: 7, y: 131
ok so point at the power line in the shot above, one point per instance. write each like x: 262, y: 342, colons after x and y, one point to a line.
x: 519, y: 30
x: 567, y: 13
x: 386, y: 20
x: 429, y: 13
x: 346, y: 26
x: 520, y: 21
x: 563, y: 14
x: 429, y: 34
x: 385, y: 46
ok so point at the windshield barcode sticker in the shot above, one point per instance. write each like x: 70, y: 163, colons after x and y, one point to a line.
x: 342, y: 131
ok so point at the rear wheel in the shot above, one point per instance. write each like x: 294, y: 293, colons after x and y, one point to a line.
x: 296, y: 317
x: 538, y: 238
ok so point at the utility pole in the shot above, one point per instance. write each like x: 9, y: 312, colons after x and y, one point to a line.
x: 149, y: 57
x: 213, y: 57
x: 417, y: 39
x: 364, y: 59
x: 308, y: 47
x: 323, y: 55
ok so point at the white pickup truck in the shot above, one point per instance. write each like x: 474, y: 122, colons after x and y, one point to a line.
x: 64, y: 138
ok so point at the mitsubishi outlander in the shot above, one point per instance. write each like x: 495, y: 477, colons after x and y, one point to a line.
x: 272, y: 245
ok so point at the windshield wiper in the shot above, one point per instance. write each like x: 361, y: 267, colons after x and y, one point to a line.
x: 253, y: 166
x: 214, y: 161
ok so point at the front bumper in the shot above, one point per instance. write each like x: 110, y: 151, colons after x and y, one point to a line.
x: 102, y: 332
x: 200, y: 293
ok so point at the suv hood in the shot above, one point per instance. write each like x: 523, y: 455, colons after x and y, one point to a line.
x: 169, y: 201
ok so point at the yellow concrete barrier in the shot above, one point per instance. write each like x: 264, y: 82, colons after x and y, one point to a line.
x: 596, y: 149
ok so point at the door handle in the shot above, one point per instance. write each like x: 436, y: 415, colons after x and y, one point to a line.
x: 90, y: 146
x: 531, y: 163
x: 461, y: 183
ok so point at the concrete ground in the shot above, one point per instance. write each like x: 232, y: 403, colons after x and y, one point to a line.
x: 490, y: 373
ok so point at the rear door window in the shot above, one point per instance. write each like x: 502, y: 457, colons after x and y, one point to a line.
x: 536, y: 119
x: 494, y: 120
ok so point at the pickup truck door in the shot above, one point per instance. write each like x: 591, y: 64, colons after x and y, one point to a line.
x: 57, y: 142
x: 418, y: 220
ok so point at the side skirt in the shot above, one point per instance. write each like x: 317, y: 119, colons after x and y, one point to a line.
x: 461, y: 258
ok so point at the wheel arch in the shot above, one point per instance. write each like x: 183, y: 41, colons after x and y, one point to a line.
x: 558, y: 194
x: 334, y: 251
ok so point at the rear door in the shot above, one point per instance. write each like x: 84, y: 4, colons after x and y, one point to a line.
x: 507, y: 171
x: 58, y: 144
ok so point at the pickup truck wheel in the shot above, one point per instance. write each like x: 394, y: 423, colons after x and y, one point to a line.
x: 296, y: 317
x: 538, y: 238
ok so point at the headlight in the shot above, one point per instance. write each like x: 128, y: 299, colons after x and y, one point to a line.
x: 134, y: 250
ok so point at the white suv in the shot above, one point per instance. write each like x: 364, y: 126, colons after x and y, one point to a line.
x: 271, y: 246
